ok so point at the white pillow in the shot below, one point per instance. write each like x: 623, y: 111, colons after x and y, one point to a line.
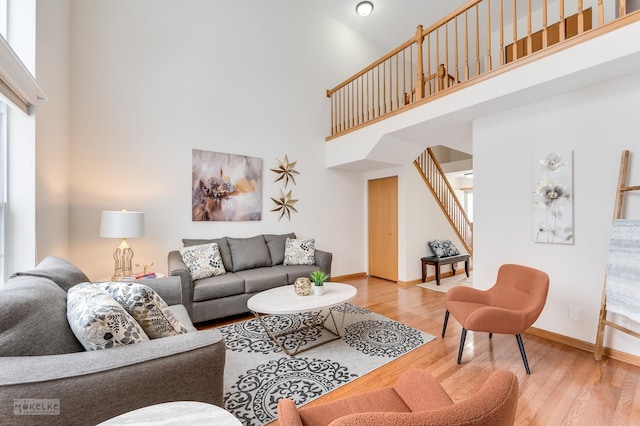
x: 146, y: 307
x: 299, y: 252
x: 98, y: 321
x: 203, y: 260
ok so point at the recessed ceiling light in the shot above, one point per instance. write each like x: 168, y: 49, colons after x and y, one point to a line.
x: 364, y: 8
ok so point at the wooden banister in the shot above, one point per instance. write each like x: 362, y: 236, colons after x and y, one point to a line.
x: 435, y: 179
x: 401, y: 78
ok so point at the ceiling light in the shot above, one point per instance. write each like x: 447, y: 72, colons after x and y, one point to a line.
x: 469, y: 175
x: 364, y: 8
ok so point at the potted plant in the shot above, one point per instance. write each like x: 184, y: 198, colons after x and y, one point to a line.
x: 318, y: 277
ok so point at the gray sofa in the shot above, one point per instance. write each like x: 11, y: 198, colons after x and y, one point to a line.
x: 252, y: 265
x: 40, y: 358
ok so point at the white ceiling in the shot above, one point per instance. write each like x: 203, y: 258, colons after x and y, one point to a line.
x: 392, y: 22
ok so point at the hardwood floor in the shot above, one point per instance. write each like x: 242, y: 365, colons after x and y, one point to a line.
x: 566, y: 386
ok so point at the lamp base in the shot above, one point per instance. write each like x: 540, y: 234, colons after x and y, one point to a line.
x: 122, y: 258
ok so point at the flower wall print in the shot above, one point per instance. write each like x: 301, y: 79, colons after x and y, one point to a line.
x: 553, y: 198
x: 225, y: 187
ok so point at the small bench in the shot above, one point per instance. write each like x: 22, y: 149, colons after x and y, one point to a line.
x: 449, y: 260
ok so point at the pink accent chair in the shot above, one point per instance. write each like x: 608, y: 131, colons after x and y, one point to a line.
x: 415, y: 399
x: 511, y: 306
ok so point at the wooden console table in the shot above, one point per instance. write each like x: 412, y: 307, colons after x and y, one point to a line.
x: 449, y: 260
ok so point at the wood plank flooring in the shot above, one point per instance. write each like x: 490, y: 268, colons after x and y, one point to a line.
x: 566, y: 386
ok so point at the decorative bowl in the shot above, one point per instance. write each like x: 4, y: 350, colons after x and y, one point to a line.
x: 302, y: 286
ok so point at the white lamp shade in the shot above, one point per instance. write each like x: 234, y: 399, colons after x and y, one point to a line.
x: 122, y: 224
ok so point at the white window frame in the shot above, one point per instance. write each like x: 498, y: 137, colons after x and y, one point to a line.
x: 3, y: 156
x: 3, y: 187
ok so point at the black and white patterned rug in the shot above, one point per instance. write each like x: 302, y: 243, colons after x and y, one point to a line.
x: 257, y: 373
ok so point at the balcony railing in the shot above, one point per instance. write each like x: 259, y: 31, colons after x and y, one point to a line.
x: 479, y: 37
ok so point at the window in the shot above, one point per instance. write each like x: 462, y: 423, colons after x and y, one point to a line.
x: 468, y: 204
x: 3, y: 184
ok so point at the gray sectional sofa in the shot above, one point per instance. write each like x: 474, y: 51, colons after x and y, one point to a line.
x: 41, y: 359
x: 252, y: 265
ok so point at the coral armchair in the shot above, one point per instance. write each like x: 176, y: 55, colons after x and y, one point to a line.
x: 415, y: 399
x: 509, y: 307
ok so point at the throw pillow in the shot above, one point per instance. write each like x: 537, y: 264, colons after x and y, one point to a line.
x: 223, y: 246
x: 60, y: 271
x: 436, y: 248
x: 146, y: 307
x: 300, y: 252
x: 449, y: 248
x: 33, y: 319
x: 443, y: 248
x: 276, y: 245
x: 249, y: 253
x: 98, y: 321
x: 203, y: 261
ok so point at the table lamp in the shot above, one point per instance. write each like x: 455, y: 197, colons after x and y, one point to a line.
x: 122, y: 224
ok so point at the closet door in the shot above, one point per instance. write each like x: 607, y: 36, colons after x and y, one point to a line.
x: 383, y: 228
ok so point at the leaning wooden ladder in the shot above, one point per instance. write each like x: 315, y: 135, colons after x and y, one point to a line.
x: 617, y: 214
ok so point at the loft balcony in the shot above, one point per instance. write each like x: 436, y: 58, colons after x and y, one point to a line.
x: 486, y: 57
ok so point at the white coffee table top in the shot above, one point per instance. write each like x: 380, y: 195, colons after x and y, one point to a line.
x: 284, y: 300
x: 187, y: 413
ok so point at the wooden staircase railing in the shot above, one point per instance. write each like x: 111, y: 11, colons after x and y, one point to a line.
x: 434, y: 177
x: 475, y: 39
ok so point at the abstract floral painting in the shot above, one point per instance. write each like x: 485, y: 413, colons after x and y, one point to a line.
x: 225, y: 187
x: 553, y: 198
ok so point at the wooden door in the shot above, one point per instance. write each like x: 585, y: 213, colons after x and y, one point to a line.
x: 383, y: 228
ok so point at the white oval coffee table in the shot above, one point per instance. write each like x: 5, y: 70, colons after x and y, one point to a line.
x: 284, y: 300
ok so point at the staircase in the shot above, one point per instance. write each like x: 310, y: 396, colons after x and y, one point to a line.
x: 437, y: 182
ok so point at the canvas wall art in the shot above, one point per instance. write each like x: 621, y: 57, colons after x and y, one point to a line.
x: 225, y: 187
x: 553, y: 198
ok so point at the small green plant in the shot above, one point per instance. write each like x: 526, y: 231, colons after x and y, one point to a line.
x: 318, y: 277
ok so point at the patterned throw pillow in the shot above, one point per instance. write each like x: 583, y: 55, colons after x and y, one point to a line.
x: 203, y: 260
x: 436, y: 248
x: 449, y: 248
x: 300, y: 252
x: 98, y: 321
x: 146, y: 307
x: 443, y: 248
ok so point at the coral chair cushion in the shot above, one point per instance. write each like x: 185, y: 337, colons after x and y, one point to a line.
x: 383, y: 399
x: 510, y: 307
x: 415, y: 399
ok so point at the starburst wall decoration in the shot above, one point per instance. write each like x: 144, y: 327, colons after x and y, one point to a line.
x: 285, y: 173
x: 284, y: 205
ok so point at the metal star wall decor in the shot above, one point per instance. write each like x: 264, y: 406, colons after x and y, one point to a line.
x: 284, y: 205
x: 285, y: 171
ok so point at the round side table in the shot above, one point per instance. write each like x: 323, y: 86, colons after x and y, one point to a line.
x: 187, y: 413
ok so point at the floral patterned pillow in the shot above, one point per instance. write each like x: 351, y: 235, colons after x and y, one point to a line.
x: 146, y: 307
x: 443, y: 248
x: 449, y: 248
x: 98, y: 321
x: 203, y: 260
x: 299, y: 252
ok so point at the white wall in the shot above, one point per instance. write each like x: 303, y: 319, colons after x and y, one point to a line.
x: 52, y: 129
x: 596, y: 123
x: 239, y: 77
